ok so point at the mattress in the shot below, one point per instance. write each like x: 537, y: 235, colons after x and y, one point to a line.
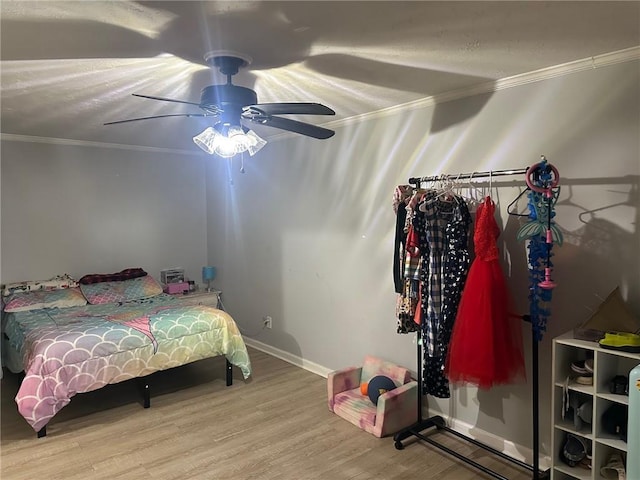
x: 65, y: 351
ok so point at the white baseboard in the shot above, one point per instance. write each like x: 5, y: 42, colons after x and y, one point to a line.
x: 511, y: 449
x: 288, y: 357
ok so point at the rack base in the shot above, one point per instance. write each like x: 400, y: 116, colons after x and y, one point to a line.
x: 440, y: 425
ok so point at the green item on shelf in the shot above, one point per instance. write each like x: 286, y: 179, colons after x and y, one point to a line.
x: 626, y: 342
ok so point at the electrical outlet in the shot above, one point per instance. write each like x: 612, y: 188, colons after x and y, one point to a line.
x: 267, y: 321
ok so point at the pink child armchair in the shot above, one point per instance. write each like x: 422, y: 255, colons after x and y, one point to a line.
x: 396, y: 408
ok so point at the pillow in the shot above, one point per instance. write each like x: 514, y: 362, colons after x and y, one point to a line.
x: 122, y: 291
x: 55, y: 283
x: 63, y: 298
x: 125, y: 274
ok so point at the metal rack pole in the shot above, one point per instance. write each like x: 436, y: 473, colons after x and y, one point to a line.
x: 536, y: 406
x: 469, y: 175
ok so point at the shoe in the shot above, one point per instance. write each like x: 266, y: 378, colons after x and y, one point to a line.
x: 588, y: 365
x: 583, y: 367
x: 584, y: 380
x: 574, y: 450
x: 625, y: 342
x: 614, y: 468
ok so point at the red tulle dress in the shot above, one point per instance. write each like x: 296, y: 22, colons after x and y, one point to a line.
x: 486, y: 342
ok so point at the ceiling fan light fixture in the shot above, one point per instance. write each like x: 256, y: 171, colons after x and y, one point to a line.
x: 234, y: 106
x: 228, y: 140
x: 206, y: 140
x: 253, y: 142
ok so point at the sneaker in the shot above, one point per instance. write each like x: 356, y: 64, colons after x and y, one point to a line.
x: 583, y: 367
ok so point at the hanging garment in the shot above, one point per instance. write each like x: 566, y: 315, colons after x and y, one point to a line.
x: 401, y: 196
x: 411, y: 291
x: 442, y: 226
x: 486, y: 343
x: 406, y: 259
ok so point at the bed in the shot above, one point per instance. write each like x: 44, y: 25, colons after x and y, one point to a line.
x: 102, y: 335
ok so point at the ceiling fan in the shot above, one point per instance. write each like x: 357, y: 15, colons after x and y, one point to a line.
x: 236, y: 107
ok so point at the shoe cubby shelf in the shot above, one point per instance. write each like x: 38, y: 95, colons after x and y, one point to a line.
x: 607, y: 364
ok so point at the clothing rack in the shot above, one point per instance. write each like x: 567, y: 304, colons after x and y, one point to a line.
x: 469, y: 176
x: 438, y: 421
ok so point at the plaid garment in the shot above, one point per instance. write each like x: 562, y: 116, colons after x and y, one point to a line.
x: 443, y: 233
x: 431, y: 233
x: 126, y: 274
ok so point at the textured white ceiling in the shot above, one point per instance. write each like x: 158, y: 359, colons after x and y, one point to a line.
x: 68, y: 67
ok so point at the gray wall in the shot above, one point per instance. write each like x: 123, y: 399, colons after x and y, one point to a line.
x: 306, y: 234
x: 78, y: 210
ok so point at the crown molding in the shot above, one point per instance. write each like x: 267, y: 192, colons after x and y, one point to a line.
x: 10, y: 137
x: 590, y: 63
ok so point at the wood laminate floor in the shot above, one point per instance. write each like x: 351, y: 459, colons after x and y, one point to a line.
x: 275, y: 426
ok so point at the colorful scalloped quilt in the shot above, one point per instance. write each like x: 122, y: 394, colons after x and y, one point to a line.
x: 80, y: 349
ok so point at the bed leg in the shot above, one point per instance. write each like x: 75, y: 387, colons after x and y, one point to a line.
x: 229, y: 374
x: 146, y: 394
x: 42, y: 432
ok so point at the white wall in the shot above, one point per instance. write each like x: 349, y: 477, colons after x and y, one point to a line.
x: 78, y: 210
x: 306, y: 234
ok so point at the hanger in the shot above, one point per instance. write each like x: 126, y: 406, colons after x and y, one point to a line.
x: 474, y: 192
x: 446, y: 189
x: 470, y: 198
x: 515, y: 200
x: 490, y: 182
x: 441, y: 189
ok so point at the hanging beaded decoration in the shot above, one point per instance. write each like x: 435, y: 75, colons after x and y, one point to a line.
x: 542, y: 233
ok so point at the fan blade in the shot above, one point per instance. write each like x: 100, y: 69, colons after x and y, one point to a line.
x: 165, y: 99
x: 292, y: 109
x: 295, y: 126
x: 161, y: 116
